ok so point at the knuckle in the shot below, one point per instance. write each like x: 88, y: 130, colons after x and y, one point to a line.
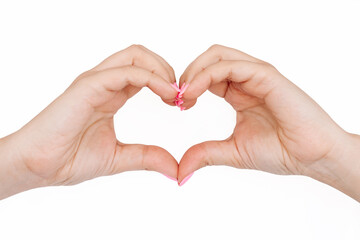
x: 214, y: 47
x: 85, y: 75
x: 270, y: 69
x: 140, y: 46
x: 135, y: 47
x: 267, y: 64
x: 82, y: 79
x: 137, y: 52
x: 268, y: 73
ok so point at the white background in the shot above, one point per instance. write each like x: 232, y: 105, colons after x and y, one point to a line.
x: 43, y: 47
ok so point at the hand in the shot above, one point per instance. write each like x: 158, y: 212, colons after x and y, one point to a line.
x: 73, y: 139
x: 279, y: 129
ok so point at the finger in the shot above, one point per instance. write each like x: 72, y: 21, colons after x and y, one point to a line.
x: 167, y: 66
x: 254, y: 79
x: 214, y: 54
x: 258, y: 83
x: 100, y: 86
x: 130, y: 157
x: 137, y: 55
x: 207, y: 154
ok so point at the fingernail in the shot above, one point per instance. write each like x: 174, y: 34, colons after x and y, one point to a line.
x: 180, y: 101
x: 175, y: 86
x: 183, y: 88
x: 183, y: 85
x: 174, y: 179
x: 185, y: 179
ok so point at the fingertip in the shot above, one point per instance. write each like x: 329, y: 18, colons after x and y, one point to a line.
x: 178, y: 101
x: 192, y: 160
x: 185, y: 179
x: 188, y: 103
x: 171, y: 178
x: 183, y: 88
x: 160, y: 160
x: 189, y: 91
x: 170, y: 97
x: 170, y: 102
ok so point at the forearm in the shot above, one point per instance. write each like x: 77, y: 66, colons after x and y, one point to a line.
x: 341, y: 169
x: 14, y: 175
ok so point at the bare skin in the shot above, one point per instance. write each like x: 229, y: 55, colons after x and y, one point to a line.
x: 73, y: 139
x: 279, y: 128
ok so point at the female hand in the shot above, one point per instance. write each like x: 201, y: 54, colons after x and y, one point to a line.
x: 73, y: 139
x: 279, y: 129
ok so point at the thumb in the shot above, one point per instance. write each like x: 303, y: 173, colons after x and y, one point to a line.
x: 130, y: 157
x: 206, y: 154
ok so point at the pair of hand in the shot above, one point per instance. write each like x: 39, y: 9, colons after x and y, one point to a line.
x: 279, y: 128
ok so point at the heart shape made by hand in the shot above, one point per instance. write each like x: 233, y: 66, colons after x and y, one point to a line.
x: 273, y: 133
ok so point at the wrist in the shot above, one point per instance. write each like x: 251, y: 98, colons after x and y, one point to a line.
x: 341, y: 167
x: 15, y: 177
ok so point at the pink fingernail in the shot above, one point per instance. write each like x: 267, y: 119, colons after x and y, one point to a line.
x: 183, y: 88
x: 175, y: 86
x: 185, y: 179
x: 174, y: 179
x: 180, y: 101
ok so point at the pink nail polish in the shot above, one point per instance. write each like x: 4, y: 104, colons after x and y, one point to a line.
x: 177, y: 103
x: 185, y: 179
x: 175, y: 86
x: 183, y: 89
x: 180, y: 101
x: 182, y: 86
x: 174, y: 179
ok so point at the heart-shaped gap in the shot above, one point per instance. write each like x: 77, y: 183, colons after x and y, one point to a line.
x: 146, y: 119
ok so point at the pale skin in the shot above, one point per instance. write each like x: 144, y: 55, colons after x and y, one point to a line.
x: 279, y: 128
x: 73, y: 139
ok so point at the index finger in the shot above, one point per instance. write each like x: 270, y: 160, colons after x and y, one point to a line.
x: 138, y: 55
x: 216, y: 53
x: 255, y: 79
x: 101, y: 86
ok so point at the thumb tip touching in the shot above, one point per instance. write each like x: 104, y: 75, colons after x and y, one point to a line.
x: 193, y: 159
x: 164, y: 163
x: 182, y: 182
x: 202, y: 155
x: 157, y: 159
